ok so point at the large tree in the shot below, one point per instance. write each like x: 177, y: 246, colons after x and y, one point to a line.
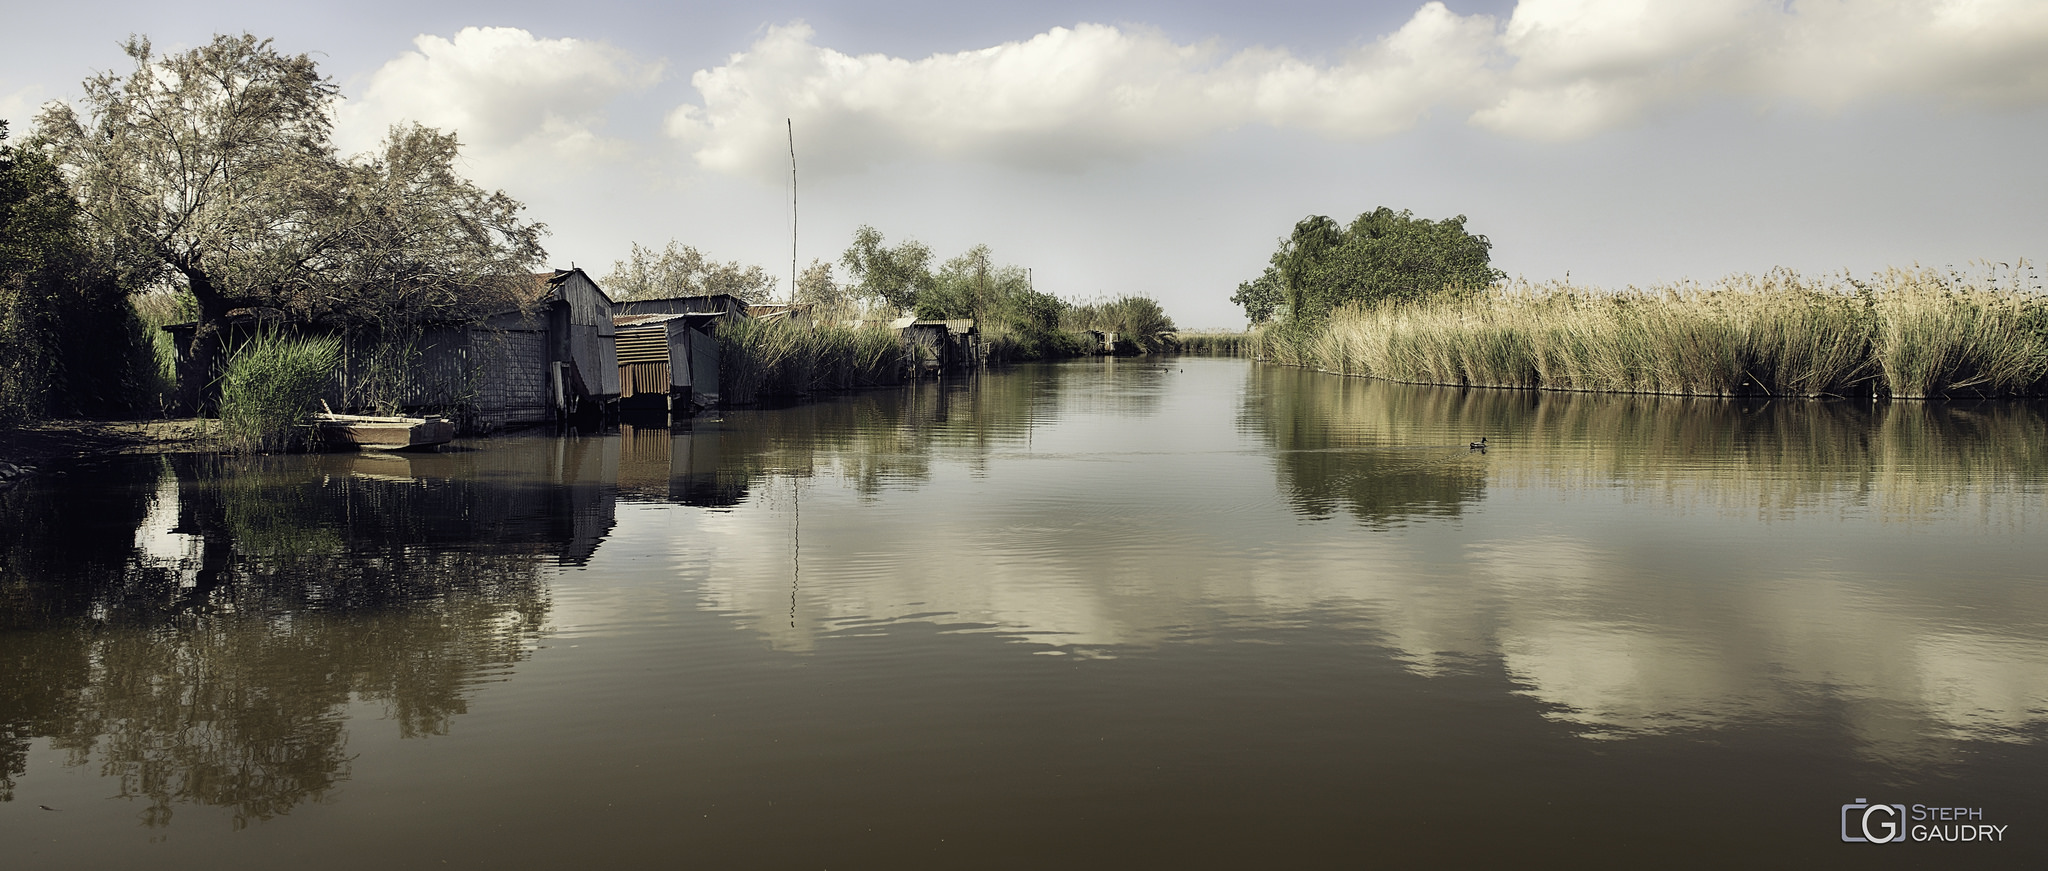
x: 681, y: 270
x: 1383, y: 256
x: 213, y: 169
x: 973, y: 285
x: 895, y: 277
x: 421, y: 244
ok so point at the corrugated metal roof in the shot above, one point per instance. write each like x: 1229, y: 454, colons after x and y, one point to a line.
x: 645, y: 320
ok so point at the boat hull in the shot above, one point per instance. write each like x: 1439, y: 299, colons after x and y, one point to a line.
x: 388, y: 434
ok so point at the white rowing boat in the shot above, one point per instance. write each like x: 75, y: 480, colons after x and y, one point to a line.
x: 383, y: 433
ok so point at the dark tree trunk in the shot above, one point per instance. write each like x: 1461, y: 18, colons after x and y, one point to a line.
x: 197, y: 389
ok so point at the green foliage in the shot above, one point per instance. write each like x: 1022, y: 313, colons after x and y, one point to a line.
x: 159, y: 354
x: 271, y: 387
x: 973, y: 286
x: 830, y: 301
x: 68, y: 342
x: 1139, y: 320
x: 1261, y: 297
x: 212, y: 170
x: 681, y: 270
x: 894, y: 277
x: 1383, y: 256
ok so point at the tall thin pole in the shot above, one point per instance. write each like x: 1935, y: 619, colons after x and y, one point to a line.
x: 792, y: 208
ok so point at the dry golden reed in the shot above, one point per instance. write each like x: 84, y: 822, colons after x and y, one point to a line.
x: 1907, y: 333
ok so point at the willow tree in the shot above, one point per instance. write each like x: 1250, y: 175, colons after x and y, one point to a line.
x: 213, y: 169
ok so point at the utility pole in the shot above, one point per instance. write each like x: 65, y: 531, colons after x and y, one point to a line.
x: 791, y: 122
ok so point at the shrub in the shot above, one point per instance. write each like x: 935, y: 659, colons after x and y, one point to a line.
x: 270, y: 389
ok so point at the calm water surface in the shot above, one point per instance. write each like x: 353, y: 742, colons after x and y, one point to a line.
x: 1121, y: 614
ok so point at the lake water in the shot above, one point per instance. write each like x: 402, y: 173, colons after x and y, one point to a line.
x: 1118, y: 614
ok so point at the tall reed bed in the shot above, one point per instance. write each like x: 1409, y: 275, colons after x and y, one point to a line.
x: 760, y: 358
x: 270, y: 388
x: 1906, y: 334
x: 1215, y: 344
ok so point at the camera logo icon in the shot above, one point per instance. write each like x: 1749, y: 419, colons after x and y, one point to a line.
x: 1866, y: 823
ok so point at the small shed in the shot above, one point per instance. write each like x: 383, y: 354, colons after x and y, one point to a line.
x: 556, y: 360
x: 800, y: 312
x: 941, y: 345
x: 551, y: 359
x: 667, y: 362
x: 584, y: 356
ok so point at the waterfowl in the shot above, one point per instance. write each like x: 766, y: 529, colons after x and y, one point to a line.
x: 1479, y: 445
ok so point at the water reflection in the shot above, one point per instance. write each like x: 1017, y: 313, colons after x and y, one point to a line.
x: 1641, y: 566
x: 196, y: 627
x: 1666, y: 564
x: 1652, y: 572
x: 1384, y: 456
x: 872, y: 441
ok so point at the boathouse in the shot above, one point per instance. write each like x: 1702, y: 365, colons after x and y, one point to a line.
x: 667, y: 362
x: 555, y: 361
x: 552, y: 359
x: 668, y: 351
x: 940, y: 345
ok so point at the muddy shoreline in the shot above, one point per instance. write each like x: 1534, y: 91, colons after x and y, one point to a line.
x: 26, y: 448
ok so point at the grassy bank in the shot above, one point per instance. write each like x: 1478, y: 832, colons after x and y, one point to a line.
x: 1904, y: 334
x: 1009, y: 345
x: 762, y: 358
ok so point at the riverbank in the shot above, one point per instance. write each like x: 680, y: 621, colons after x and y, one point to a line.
x: 29, y: 446
x: 1904, y: 334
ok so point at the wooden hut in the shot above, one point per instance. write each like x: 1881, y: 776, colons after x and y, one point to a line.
x: 941, y: 345
x: 667, y: 362
x: 553, y: 359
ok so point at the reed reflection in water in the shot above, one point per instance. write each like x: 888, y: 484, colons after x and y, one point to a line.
x: 1108, y: 614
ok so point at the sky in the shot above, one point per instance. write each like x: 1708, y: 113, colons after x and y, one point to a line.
x: 1163, y: 148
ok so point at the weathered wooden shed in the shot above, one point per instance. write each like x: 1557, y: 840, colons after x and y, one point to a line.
x: 584, y: 357
x: 941, y: 345
x: 667, y: 362
x: 551, y: 359
x: 554, y: 360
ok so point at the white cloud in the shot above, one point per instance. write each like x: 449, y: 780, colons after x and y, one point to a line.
x: 19, y: 108
x: 1583, y: 66
x: 518, y: 102
x: 1555, y: 70
x: 1066, y: 97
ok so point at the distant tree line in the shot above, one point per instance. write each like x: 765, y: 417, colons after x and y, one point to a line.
x: 900, y: 278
